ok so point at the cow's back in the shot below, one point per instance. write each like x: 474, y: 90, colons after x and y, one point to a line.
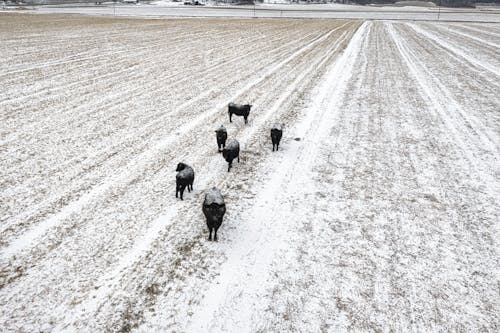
x: 233, y: 146
x: 239, y: 109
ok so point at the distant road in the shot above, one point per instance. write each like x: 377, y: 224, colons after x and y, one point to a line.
x: 357, y: 12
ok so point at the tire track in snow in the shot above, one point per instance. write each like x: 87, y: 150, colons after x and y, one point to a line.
x: 473, y: 123
x: 481, y: 30
x: 444, y: 105
x: 469, y: 36
x: 234, y: 295
x: 454, y: 48
x: 384, y: 248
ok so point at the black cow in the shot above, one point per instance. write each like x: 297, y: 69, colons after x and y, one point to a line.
x: 184, y: 177
x: 221, y: 137
x: 231, y: 152
x: 214, y: 209
x: 276, y: 134
x: 239, y: 110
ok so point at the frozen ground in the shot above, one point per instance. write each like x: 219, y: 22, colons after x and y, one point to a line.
x: 163, y: 8
x: 383, y: 215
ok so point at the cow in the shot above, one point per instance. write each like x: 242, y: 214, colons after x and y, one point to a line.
x: 239, y: 110
x: 276, y: 134
x: 184, y: 178
x: 231, y: 152
x: 214, y: 209
x: 221, y: 135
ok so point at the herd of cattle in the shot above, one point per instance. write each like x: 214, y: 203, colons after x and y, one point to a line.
x: 214, y: 207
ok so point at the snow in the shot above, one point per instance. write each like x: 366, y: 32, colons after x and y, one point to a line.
x: 164, y: 3
x: 383, y: 216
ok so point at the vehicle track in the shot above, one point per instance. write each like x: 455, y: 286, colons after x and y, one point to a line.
x: 452, y: 114
x: 489, y: 55
x: 477, y: 113
x: 487, y: 40
x: 391, y: 220
x: 490, y: 29
x: 237, y: 293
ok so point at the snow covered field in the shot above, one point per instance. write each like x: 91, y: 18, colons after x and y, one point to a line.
x: 380, y: 212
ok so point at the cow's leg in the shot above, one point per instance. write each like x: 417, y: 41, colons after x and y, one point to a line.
x: 273, y: 146
x: 215, y: 234
x: 246, y: 119
x: 238, y: 158
x: 210, y: 234
x: 183, y: 187
x: 176, y: 190
x: 277, y: 146
x: 230, y: 114
x: 229, y: 167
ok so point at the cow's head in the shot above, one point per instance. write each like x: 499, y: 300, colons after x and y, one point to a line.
x: 180, y: 167
x: 220, y: 129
